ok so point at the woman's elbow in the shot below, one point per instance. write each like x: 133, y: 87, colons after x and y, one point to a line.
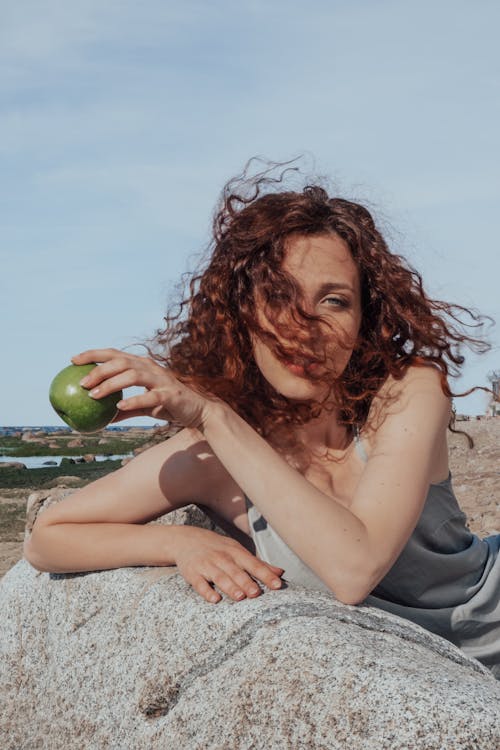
x: 354, y: 589
x: 350, y: 596
x: 30, y: 556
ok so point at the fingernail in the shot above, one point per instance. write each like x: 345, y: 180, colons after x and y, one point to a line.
x: 276, y: 584
x: 84, y: 380
x: 94, y: 392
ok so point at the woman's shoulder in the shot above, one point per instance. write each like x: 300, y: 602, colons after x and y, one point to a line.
x: 408, y: 421
x: 416, y: 398
x: 417, y: 379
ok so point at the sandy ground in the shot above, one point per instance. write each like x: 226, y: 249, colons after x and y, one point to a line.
x: 476, y: 474
x: 476, y: 480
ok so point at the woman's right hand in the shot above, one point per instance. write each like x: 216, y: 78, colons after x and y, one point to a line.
x: 204, y: 557
x: 164, y: 397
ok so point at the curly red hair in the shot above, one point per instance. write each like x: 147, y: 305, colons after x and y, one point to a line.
x: 210, y: 348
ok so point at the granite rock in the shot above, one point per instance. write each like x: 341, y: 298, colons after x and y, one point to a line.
x: 135, y: 659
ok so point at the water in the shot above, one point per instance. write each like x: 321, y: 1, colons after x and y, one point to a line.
x: 37, y: 462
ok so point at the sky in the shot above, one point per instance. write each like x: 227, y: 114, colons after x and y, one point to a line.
x: 121, y: 122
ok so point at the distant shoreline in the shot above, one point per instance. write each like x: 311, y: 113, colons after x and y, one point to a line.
x: 53, y: 429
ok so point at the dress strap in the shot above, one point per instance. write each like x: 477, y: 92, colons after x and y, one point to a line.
x: 360, y: 448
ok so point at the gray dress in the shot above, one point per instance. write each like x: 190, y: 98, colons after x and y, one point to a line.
x: 446, y: 579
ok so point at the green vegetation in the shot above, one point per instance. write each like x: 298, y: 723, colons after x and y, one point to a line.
x: 37, y: 479
x: 115, y: 444
x: 16, y: 484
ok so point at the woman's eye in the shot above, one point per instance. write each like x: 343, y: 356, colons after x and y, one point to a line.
x: 336, y: 301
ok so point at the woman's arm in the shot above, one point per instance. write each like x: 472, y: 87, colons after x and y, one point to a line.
x: 83, y: 547
x: 101, y: 526
x: 104, y: 525
x: 349, y: 549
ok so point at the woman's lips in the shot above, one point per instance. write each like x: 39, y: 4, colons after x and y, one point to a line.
x: 296, y: 369
x: 301, y: 369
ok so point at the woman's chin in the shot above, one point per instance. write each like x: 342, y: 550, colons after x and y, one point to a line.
x: 300, y: 389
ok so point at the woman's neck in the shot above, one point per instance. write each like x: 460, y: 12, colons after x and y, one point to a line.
x: 325, y: 434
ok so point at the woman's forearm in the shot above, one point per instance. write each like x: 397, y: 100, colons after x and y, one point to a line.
x: 330, y: 539
x: 77, y: 547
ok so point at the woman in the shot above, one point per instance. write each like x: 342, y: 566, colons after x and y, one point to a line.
x: 310, y: 380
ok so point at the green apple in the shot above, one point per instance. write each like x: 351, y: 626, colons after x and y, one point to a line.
x: 73, y: 403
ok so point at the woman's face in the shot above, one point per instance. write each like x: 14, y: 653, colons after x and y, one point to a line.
x: 326, y: 273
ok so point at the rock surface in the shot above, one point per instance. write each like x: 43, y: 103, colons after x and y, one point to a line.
x: 29, y: 437
x: 76, y: 443
x: 134, y: 658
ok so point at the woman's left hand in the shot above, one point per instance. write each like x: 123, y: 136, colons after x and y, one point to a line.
x: 165, y: 397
